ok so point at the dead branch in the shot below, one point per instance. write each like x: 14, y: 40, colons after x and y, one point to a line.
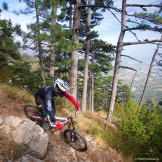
x: 138, y: 5
x: 132, y: 58
x: 148, y: 28
x: 157, y: 62
x: 133, y: 21
x: 123, y: 24
x: 142, y: 42
x: 126, y: 67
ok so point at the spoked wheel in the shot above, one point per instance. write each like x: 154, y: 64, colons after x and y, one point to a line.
x: 76, y: 140
x: 31, y: 112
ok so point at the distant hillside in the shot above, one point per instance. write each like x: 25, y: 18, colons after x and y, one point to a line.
x: 154, y: 89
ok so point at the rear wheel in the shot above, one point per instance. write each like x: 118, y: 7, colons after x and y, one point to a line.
x: 76, y: 140
x: 31, y: 112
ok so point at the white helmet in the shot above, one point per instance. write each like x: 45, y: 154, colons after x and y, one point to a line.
x: 59, y: 84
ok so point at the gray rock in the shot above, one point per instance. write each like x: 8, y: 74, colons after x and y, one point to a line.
x: 28, y: 158
x: 27, y: 133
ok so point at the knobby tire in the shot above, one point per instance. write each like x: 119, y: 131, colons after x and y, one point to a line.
x: 29, y: 110
x: 75, y: 139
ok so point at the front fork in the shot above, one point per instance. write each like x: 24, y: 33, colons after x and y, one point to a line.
x: 71, y: 123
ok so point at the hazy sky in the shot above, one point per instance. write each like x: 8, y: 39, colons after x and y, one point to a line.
x: 109, y: 28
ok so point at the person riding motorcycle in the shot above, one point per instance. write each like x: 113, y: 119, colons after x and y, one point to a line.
x: 44, y: 98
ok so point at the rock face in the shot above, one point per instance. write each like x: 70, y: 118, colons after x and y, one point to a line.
x: 28, y: 133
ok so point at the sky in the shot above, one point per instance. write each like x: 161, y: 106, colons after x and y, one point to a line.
x: 108, y: 30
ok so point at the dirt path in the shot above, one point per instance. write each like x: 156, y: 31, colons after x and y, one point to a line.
x: 10, y: 106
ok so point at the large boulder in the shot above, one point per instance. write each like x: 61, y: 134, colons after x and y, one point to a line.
x: 27, y: 133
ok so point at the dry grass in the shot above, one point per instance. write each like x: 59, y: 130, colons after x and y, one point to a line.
x: 16, y: 93
x: 101, y: 131
x: 9, y: 149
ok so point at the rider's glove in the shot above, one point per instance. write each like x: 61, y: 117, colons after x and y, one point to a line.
x: 59, y: 126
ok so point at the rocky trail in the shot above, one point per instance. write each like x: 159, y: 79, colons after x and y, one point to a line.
x: 57, y: 149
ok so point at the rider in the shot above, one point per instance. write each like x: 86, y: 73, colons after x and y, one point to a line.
x: 44, y: 98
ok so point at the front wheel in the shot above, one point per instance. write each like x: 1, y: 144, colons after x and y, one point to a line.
x: 75, y: 139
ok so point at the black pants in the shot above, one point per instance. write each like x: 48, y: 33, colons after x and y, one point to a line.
x: 41, y: 103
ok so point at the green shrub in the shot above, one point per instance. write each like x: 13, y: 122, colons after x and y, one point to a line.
x: 140, y: 131
x: 21, y: 75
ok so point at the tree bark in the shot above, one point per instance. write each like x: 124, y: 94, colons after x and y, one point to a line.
x: 52, y: 46
x: 148, y: 75
x: 74, y: 55
x: 85, y: 80
x: 117, y: 62
x: 71, y: 19
x: 39, y: 44
x: 90, y: 91
x: 91, y: 105
x: 143, y: 42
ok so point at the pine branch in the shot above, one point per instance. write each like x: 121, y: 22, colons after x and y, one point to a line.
x: 138, y: 5
x: 142, y: 42
x: 124, y: 25
x: 144, y: 7
x: 133, y: 21
x: 126, y: 67
x: 148, y: 28
x: 132, y: 58
x: 158, y: 62
x: 10, y: 53
x: 144, y: 18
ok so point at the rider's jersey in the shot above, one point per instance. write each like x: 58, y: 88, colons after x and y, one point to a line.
x: 47, y: 94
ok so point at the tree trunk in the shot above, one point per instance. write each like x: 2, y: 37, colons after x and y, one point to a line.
x: 91, y: 89
x: 148, y: 75
x: 85, y: 80
x: 74, y: 55
x: 92, y: 98
x: 117, y: 62
x: 90, y: 92
x: 129, y: 91
x: 39, y: 45
x: 52, y: 46
x: 71, y: 19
